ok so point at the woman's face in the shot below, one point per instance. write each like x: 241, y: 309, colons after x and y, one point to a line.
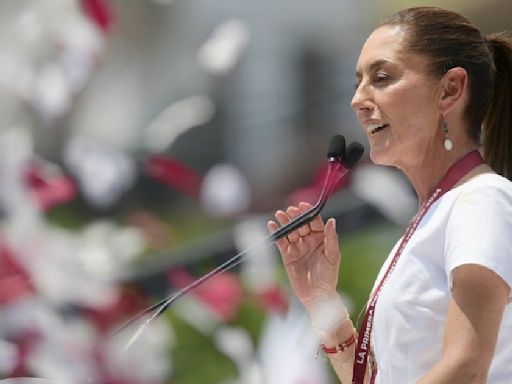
x: 396, y: 101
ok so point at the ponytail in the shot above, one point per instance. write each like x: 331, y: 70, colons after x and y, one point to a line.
x: 497, y: 125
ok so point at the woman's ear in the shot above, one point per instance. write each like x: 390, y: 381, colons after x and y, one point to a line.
x: 453, y: 89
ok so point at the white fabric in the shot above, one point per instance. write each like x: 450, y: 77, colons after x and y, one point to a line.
x: 471, y: 224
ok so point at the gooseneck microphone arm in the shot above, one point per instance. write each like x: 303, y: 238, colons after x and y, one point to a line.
x: 333, y: 170
x: 338, y: 166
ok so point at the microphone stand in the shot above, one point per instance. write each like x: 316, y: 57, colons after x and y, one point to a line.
x: 336, y: 170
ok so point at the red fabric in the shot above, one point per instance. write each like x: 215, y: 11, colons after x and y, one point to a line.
x: 100, y: 12
x: 222, y: 294
x: 15, y: 281
x: 274, y: 299
x: 51, y: 193
x: 173, y: 173
x: 25, y: 345
x: 129, y: 303
x: 48, y: 188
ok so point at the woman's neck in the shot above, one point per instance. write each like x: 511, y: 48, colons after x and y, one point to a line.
x: 426, y: 172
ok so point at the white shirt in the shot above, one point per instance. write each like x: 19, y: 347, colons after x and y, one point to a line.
x: 470, y: 224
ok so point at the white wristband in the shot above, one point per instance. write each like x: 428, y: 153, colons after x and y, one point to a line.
x: 328, y: 313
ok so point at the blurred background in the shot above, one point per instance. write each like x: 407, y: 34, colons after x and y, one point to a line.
x: 143, y: 143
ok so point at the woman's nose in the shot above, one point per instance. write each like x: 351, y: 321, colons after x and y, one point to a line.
x: 360, y: 99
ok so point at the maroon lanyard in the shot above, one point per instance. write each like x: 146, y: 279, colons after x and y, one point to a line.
x: 454, y: 174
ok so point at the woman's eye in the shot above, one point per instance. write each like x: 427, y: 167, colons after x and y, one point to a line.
x: 381, y: 77
x: 378, y: 78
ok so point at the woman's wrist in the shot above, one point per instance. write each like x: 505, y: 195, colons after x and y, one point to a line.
x: 338, y: 335
x: 328, y: 313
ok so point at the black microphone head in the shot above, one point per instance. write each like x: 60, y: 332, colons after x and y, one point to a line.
x: 354, y: 152
x: 336, y: 147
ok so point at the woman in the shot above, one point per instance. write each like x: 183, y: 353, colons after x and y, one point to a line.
x: 430, y: 92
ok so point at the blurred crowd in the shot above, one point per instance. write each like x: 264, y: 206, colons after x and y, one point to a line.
x: 63, y: 290
x: 59, y: 294
x: 62, y: 293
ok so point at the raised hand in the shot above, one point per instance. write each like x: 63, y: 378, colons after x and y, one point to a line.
x: 311, y: 255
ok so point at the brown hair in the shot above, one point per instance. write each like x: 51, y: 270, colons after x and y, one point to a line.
x: 449, y: 40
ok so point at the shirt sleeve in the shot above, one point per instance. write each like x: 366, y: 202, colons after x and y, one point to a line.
x: 479, y: 231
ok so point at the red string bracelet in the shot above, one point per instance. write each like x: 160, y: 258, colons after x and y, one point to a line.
x: 340, y: 347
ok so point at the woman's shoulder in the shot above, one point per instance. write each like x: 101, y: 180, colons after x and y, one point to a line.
x: 489, y: 179
x: 489, y: 187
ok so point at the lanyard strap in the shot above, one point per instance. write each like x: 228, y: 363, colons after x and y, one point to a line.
x: 452, y: 177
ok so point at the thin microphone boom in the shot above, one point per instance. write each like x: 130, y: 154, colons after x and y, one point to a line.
x: 338, y: 166
x: 306, y: 217
x: 336, y: 170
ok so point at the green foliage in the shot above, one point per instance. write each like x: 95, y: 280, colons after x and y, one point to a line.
x: 195, y: 357
x: 251, y: 317
x: 363, y: 253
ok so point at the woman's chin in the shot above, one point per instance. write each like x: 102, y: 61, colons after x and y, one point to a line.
x: 380, y: 157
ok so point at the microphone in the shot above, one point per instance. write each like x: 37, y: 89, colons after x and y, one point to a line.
x: 340, y: 161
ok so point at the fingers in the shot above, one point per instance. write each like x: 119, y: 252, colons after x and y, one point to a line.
x: 283, y: 218
x: 317, y: 224
x: 304, y: 230
x: 282, y: 243
x: 331, y: 242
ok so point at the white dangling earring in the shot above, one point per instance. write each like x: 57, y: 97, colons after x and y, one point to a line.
x: 448, y: 144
